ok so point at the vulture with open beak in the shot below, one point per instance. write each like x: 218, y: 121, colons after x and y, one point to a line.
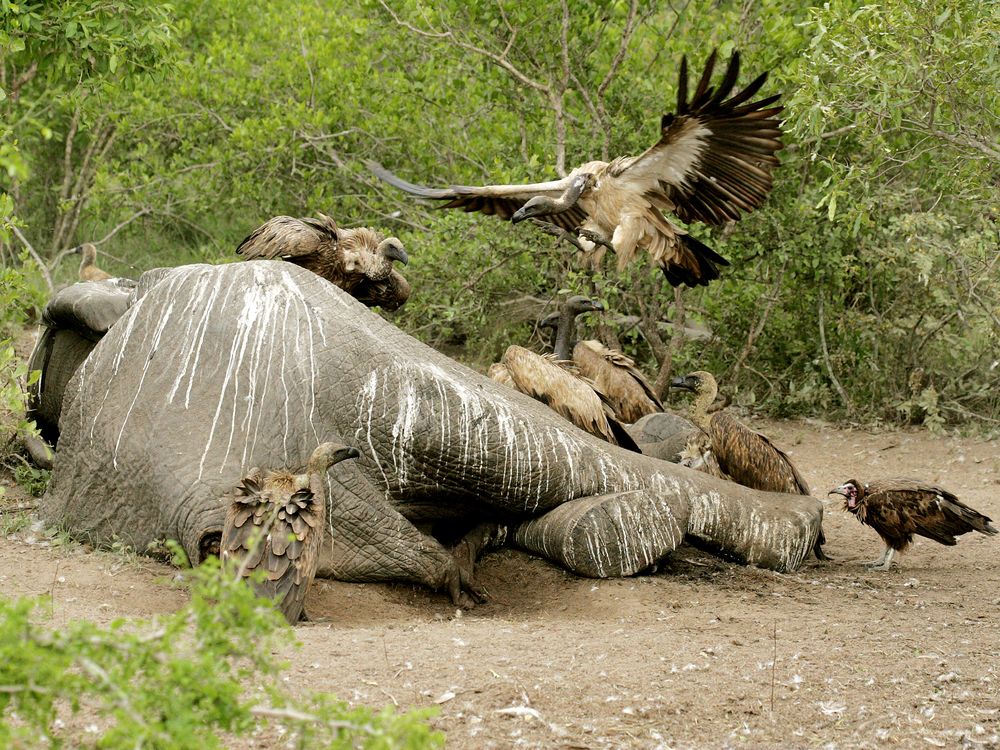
x: 277, y: 523
x: 88, y: 266
x: 712, y: 164
x: 728, y: 448
x: 359, y: 261
x: 559, y: 385
x: 899, y: 508
x: 615, y: 375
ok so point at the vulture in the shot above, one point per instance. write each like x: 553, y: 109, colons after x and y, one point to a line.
x: 88, y: 266
x: 899, y: 508
x: 616, y: 376
x: 712, y: 164
x: 359, y: 261
x: 729, y: 449
x: 277, y: 523
x: 558, y: 385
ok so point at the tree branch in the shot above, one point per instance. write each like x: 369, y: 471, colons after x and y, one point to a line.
x: 35, y: 257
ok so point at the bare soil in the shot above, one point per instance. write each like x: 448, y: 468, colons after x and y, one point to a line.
x: 701, y: 654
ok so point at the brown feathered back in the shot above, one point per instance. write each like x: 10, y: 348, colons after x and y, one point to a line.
x: 898, y: 508
x: 751, y: 459
x: 630, y: 395
x: 276, y: 523
x: 559, y: 386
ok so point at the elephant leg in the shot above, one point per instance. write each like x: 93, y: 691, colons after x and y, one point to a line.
x: 483, y: 537
x: 604, y: 536
x: 369, y: 540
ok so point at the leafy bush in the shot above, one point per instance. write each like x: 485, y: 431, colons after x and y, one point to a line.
x: 176, y: 683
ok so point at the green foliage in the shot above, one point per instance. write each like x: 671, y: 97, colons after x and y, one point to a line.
x: 178, y: 682
x: 880, y: 233
x: 33, y: 481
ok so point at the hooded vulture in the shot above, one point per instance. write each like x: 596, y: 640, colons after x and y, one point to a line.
x: 88, y: 266
x: 728, y: 448
x: 616, y: 376
x: 899, y: 508
x: 359, y: 261
x: 277, y: 523
x: 712, y: 164
x: 558, y: 385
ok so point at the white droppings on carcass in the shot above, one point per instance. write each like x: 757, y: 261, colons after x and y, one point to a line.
x: 402, y: 428
x: 365, y: 406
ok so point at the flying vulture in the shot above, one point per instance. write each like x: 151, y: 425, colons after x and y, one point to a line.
x: 359, y: 261
x: 277, y: 523
x: 712, y: 164
x: 730, y: 449
x: 616, y: 376
x: 559, y: 385
x: 899, y: 508
x: 88, y: 266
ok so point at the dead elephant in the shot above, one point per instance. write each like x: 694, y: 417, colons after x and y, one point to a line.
x: 214, y: 369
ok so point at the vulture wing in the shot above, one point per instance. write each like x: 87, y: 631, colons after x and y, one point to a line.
x: 493, y: 200
x: 288, y: 237
x: 714, y: 158
x: 572, y: 397
x: 751, y: 459
x: 629, y: 393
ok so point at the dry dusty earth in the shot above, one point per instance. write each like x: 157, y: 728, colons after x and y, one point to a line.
x: 702, y: 654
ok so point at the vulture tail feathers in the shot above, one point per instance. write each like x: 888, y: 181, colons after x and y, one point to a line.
x: 622, y: 436
x: 708, y: 265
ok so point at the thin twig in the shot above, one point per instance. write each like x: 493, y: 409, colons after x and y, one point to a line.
x: 35, y: 257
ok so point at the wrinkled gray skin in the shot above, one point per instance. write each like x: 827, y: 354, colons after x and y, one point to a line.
x: 216, y: 369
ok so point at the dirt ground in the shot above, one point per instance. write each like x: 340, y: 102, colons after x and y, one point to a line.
x: 702, y: 654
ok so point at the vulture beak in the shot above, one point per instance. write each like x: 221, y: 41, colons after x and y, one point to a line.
x: 549, y: 321
x: 845, y: 491
x: 78, y: 249
x: 597, y: 306
x: 392, y: 249
x: 682, y: 383
x: 345, y: 453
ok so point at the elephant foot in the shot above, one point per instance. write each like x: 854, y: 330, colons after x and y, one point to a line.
x: 604, y: 536
x: 485, y: 536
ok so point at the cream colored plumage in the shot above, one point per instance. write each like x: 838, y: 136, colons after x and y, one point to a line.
x: 712, y: 164
x: 88, y: 266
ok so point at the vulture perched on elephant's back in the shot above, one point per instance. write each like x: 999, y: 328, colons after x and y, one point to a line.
x: 728, y: 448
x: 899, y: 508
x: 88, y: 266
x: 359, y: 261
x: 276, y: 524
x: 712, y: 163
x: 615, y: 375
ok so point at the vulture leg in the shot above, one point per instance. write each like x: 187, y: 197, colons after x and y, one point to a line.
x: 884, y: 562
x: 560, y: 233
x: 596, y: 237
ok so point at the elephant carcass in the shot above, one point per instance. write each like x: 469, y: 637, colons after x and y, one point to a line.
x: 73, y: 321
x: 215, y: 369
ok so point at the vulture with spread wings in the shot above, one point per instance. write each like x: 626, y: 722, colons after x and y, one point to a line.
x: 712, y: 164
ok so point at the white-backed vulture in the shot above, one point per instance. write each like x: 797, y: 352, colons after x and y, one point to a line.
x: 359, y: 261
x: 742, y: 455
x: 277, y: 523
x: 616, y: 376
x: 899, y: 508
x: 559, y: 386
x: 88, y: 266
x: 712, y: 164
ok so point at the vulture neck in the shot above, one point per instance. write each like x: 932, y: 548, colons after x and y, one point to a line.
x: 565, y: 333
x: 699, y: 409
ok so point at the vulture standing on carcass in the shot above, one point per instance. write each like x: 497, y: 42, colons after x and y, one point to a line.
x: 88, y: 266
x: 712, y: 164
x: 277, y: 523
x: 616, y: 376
x: 730, y: 449
x: 899, y: 508
x: 359, y: 261
x: 559, y: 385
